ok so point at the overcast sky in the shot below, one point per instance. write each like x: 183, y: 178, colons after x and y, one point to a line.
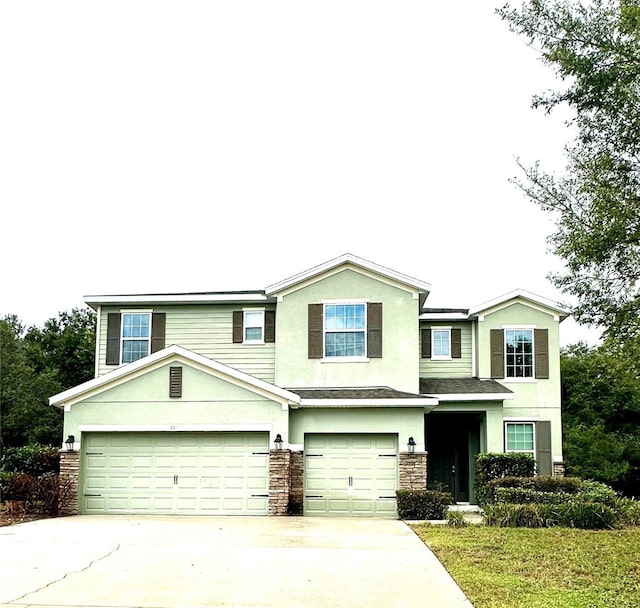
x: 206, y: 146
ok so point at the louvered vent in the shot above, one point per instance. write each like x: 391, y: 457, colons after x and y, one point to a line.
x: 175, y: 382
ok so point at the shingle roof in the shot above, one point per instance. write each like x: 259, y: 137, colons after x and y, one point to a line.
x: 376, y: 392
x: 466, y: 386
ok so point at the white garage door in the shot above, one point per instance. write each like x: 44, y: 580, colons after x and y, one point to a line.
x: 187, y: 473
x: 354, y: 475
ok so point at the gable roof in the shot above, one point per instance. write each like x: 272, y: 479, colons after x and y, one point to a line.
x: 346, y: 260
x: 520, y: 294
x: 162, y: 357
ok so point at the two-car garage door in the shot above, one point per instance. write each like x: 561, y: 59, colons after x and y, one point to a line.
x: 216, y: 473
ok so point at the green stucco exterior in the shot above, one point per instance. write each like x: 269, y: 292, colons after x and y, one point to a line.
x: 398, y: 366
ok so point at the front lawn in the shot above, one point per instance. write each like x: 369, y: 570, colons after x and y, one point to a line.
x: 541, y: 568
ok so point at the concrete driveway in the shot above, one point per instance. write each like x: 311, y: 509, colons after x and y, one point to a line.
x: 277, y: 562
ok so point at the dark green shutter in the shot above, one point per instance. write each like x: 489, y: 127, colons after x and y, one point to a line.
x: 158, y: 322
x: 238, y: 327
x: 425, y: 339
x: 456, y: 343
x: 113, y: 339
x: 497, y: 353
x: 270, y: 326
x: 543, y: 447
x: 541, y: 347
x: 315, y: 331
x: 374, y: 330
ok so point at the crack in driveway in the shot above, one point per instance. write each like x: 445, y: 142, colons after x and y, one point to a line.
x: 66, y: 574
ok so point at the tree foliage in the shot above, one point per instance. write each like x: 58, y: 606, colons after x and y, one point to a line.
x: 37, y: 363
x: 594, y: 49
x: 601, y: 414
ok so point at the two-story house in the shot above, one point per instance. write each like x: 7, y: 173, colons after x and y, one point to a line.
x: 322, y: 394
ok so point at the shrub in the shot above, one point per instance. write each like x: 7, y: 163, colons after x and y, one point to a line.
x: 423, y: 504
x: 18, y: 486
x: 497, y: 465
x: 31, y: 459
x: 455, y: 519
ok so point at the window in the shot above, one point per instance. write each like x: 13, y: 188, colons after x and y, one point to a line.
x: 519, y: 353
x: 136, y: 336
x: 254, y: 326
x: 440, y: 343
x: 344, y: 327
x: 520, y: 437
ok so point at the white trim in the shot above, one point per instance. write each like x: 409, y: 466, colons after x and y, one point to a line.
x: 97, y: 351
x: 169, y: 298
x: 546, y: 305
x: 448, y: 357
x: 519, y: 326
x: 345, y: 359
x: 443, y: 316
x: 472, y: 396
x: 171, y: 428
x: 527, y: 421
x: 520, y: 419
x: 135, y: 311
x: 249, y: 310
x: 345, y: 301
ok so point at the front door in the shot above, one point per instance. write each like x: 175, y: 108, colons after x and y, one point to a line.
x: 452, y: 444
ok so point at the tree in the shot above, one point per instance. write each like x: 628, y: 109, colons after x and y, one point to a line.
x: 601, y: 414
x: 36, y: 364
x: 594, y: 48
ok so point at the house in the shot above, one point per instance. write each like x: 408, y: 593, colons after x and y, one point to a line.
x: 322, y: 394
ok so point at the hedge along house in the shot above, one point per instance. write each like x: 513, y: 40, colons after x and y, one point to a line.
x: 322, y: 394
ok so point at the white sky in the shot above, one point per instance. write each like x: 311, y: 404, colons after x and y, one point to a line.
x: 205, y: 146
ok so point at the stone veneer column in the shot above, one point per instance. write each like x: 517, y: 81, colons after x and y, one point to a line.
x: 559, y: 469
x: 296, y: 485
x: 412, y: 469
x: 279, y: 481
x: 69, y: 471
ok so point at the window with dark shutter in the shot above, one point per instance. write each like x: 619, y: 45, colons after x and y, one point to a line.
x: 113, y: 339
x: 374, y: 330
x: 497, y: 353
x: 425, y: 339
x: 270, y: 326
x: 456, y: 343
x: 158, y: 324
x: 541, y: 351
x: 315, y: 331
x: 238, y: 327
x: 175, y: 382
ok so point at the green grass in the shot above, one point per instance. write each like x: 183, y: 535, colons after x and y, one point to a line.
x: 542, y: 568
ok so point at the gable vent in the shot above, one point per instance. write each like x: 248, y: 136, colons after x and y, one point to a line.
x: 175, y: 382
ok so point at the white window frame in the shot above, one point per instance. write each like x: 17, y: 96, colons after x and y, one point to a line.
x: 435, y: 357
x: 344, y: 358
x: 123, y: 314
x: 246, y: 312
x: 506, y: 437
x: 532, y: 377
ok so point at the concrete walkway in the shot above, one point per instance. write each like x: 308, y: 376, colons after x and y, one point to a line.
x: 240, y: 562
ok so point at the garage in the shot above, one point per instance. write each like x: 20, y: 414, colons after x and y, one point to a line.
x: 350, y: 474
x: 197, y: 473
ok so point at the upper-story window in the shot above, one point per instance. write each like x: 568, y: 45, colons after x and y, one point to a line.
x: 254, y: 326
x: 518, y: 353
x: 348, y: 330
x: 344, y: 330
x: 133, y: 334
x: 136, y: 336
x: 440, y: 343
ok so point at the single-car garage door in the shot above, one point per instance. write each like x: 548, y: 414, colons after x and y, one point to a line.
x: 353, y: 475
x: 188, y: 473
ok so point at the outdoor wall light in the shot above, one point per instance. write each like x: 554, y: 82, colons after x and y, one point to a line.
x: 278, y: 442
x: 69, y: 443
x: 411, y: 445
